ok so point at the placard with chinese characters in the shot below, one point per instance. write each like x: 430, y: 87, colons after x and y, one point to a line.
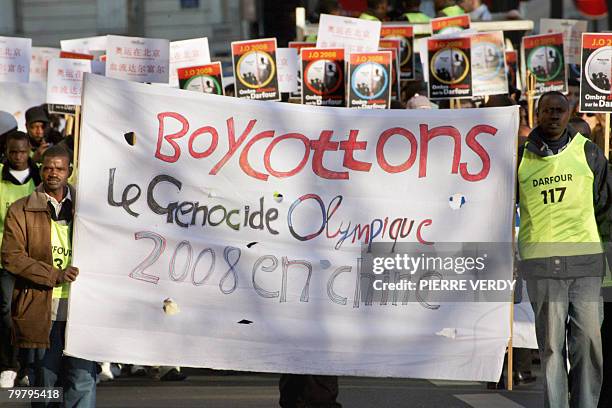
x: 137, y: 59
x: 15, y: 54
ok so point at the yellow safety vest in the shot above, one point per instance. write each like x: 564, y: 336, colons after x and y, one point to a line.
x: 451, y: 11
x: 417, y: 18
x: 556, y: 203
x: 366, y: 16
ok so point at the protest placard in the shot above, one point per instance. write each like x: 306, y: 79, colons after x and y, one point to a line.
x: 595, y: 94
x: 64, y: 80
x: 572, y: 35
x: 512, y: 70
x: 298, y: 45
x: 323, y: 82
x: 543, y: 56
x: 394, y: 47
x: 405, y: 34
x: 450, y: 75
x: 352, y: 34
x: 229, y: 254
x: 39, y: 62
x: 88, y: 45
x: 187, y: 53
x: 450, y: 25
x: 287, y: 60
x: 488, y: 64
x: 75, y: 55
x: 15, y: 55
x: 137, y: 59
x: 369, y: 81
x: 255, y: 72
x: 206, y: 78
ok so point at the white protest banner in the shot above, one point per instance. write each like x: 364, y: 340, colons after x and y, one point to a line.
x: 40, y: 60
x: 65, y: 79
x: 187, y: 53
x: 352, y: 34
x: 15, y: 54
x: 572, y: 35
x: 236, y: 213
x: 88, y: 45
x: 137, y: 59
x: 17, y: 98
x: 287, y: 64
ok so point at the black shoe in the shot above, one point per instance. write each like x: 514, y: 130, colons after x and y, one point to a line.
x: 524, y: 377
x: 173, y: 375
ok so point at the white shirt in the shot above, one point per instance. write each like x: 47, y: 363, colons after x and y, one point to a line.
x: 20, y: 175
x: 57, y: 206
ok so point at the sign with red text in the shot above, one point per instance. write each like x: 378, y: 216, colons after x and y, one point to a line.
x: 450, y: 73
x: 323, y: 82
x: 137, y: 59
x: 40, y: 61
x: 15, y: 55
x: 595, y: 89
x: 370, y: 78
x: 203, y: 78
x: 405, y: 34
x: 255, y: 69
x: 75, y: 55
x: 450, y: 25
x: 234, y: 224
x: 187, y: 53
x: 65, y: 79
x: 543, y: 55
x: 352, y: 34
x: 488, y: 64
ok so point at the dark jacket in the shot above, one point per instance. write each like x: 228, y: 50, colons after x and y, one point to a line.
x: 26, y: 252
x: 566, y: 267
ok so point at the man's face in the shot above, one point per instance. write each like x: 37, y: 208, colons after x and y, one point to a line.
x: 17, y: 152
x: 36, y: 130
x: 55, y: 172
x: 553, y: 115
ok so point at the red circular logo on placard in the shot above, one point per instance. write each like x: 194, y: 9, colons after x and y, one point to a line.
x: 323, y: 77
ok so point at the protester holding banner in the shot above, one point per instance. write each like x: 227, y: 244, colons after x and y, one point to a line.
x: 565, y: 198
x: 19, y: 177
x: 37, y: 249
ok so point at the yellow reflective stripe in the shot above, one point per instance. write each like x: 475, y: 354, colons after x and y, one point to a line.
x: 61, y: 252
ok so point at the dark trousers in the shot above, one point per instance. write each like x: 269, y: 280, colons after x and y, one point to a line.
x: 8, y: 353
x: 308, y: 391
x: 75, y: 375
x: 605, y: 399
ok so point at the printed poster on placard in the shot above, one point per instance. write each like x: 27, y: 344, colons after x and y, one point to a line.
x: 572, y: 34
x: 450, y: 25
x: 393, y: 46
x: 595, y: 94
x: 543, y: 56
x: 370, y: 80
x: 137, y: 59
x: 488, y: 65
x: 450, y: 75
x: 206, y: 78
x: 298, y: 45
x: 255, y: 72
x: 405, y: 34
x: 187, y: 53
x: 512, y: 70
x: 352, y: 34
x: 65, y: 80
x: 15, y: 55
x: 40, y: 61
x: 323, y: 82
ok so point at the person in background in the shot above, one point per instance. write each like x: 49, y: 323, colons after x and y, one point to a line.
x: 419, y: 102
x: 8, y: 123
x: 36, y: 125
x: 413, y: 13
x: 581, y: 126
x: 37, y: 249
x: 447, y: 8
x: 19, y: 177
x: 476, y: 10
x: 377, y: 10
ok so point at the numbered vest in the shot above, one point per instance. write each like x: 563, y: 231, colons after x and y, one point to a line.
x: 556, y: 204
x: 61, y: 251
